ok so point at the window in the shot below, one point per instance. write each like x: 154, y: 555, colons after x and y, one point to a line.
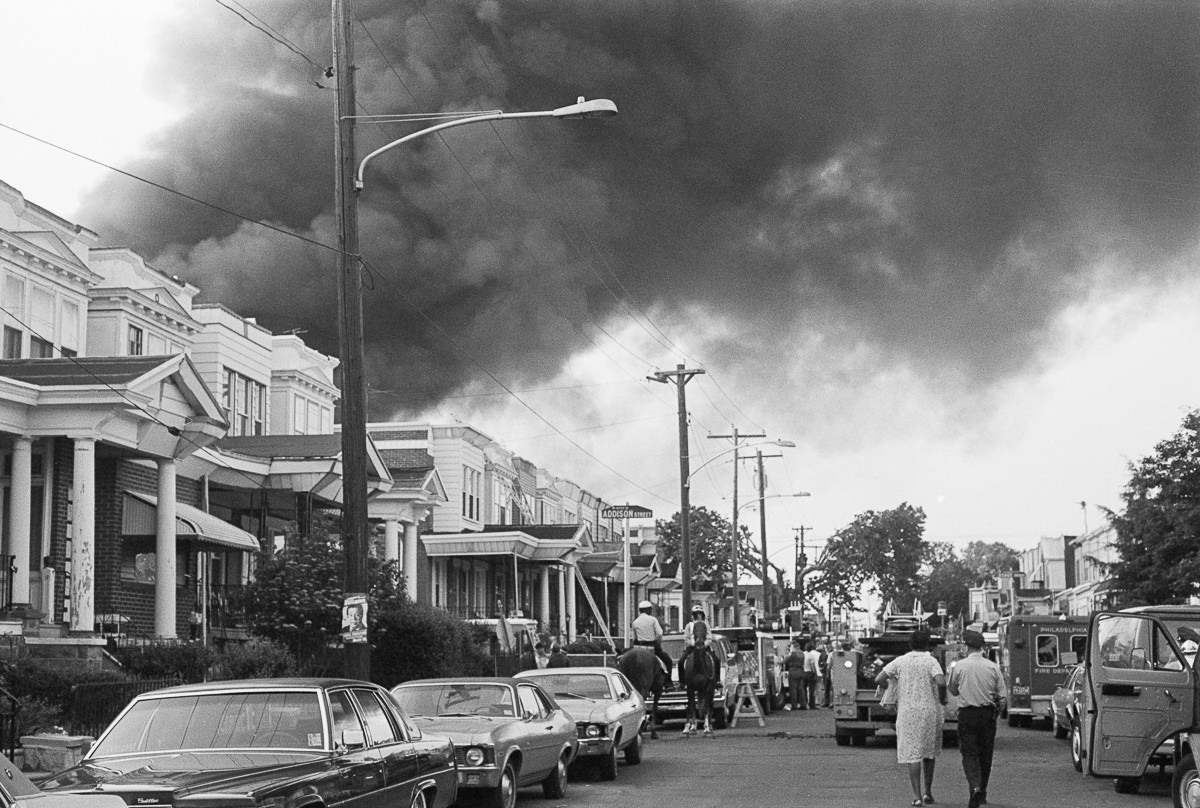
x: 40, y: 349
x: 299, y: 412
x: 1047, y: 651
x: 344, y: 717
x: 12, y: 342
x: 245, y: 403
x: 531, y: 702
x: 70, y: 328
x: 472, y: 480
x: 376, y: 718
x: 136, y: 336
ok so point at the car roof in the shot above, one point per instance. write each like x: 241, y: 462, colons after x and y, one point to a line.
x: 533, y: 674
x: 1171, y: 608
x: 289, y: 683
x: 463, y: 680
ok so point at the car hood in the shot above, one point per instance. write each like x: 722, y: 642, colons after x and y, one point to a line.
x: 190, y: 770
x: 466, y: 730
x: 590, y: 710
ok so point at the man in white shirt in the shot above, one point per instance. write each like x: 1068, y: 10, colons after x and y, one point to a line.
x: 647, y: 631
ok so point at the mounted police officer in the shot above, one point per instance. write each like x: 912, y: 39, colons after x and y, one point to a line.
x: 647, y: 631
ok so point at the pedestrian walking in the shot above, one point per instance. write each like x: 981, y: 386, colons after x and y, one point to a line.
x: 921, y: 685
x: 826, y: 687
x: 812, y: 675
x: 979, y: 685
x: 794, y: 665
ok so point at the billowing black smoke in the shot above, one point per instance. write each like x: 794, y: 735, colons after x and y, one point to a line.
x: 935, y: 180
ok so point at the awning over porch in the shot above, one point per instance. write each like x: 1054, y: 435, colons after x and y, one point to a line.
x: 140, y: 515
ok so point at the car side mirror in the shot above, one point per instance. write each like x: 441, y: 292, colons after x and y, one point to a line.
x: 353, y: 739
x: 528, y: 715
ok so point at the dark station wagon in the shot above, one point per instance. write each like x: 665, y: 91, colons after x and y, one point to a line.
x: 266, y: 743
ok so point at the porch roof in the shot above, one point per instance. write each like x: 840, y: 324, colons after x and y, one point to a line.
x: 190, y: 523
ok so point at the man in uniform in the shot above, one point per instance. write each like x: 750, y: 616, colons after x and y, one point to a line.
x: 648, y: 632
x: 980, y: 689
x: 695, y: 634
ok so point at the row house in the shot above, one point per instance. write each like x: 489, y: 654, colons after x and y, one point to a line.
x: 151, y: 443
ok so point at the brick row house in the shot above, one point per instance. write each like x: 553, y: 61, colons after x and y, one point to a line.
x: 150, y: 444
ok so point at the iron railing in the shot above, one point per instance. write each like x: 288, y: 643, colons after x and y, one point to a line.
x: 93, y: 705
x: 9, y: 707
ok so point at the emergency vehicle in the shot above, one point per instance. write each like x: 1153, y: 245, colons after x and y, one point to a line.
x: 1036, y: 654
x: 857, y: 714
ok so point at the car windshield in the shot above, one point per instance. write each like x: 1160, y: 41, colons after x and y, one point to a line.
x: 456, y: 698
x: 277, y: 720
x: 575, y: 685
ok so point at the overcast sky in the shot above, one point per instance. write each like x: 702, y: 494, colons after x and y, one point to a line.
x: 948, y: 249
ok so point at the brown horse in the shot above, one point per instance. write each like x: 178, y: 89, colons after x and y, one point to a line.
x: 645, y: 672
x: 701, y: 671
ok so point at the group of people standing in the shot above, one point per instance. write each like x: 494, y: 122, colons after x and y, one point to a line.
x: 922, y: 686
x: 807, y: 667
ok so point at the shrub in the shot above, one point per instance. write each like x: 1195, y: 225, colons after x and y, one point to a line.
x: 31, y: 680
x: 36, y: 715
x: 187, y: 661
x: 589, y: 647
x: 257, y: 659
x: 414, y: 641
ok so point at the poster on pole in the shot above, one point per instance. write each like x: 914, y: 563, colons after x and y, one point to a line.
x: 354, y: 618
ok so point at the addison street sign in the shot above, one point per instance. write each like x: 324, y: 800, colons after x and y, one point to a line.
x: 626, y: 512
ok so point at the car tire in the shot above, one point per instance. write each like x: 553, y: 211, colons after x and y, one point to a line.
x: 503, y: 795
x: 1014, y: 720
x: 419, y: 801
x: 633, y: 752
x: 1127, y: 785
x: 841, y: 738
x: 1077, y: 752
x: 1060, y: 731
x: 555, y: 784
x: 606, y: 766
x: 1185, y: 784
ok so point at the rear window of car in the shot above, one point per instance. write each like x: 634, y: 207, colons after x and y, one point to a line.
x: 260, y: 720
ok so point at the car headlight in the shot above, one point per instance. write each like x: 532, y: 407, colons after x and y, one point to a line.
x: 475, y: 756
x: 847, y: 664
x: 594, y: 730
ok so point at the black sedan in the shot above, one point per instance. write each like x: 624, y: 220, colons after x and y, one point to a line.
x: 268, y: 743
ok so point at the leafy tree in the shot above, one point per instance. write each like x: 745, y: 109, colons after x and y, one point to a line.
x: 709, y: 540
x: 884, y: 550
x: 947, y: 578
x: 988, y: 560
x: 1159, y: 530
x: 297, y: 593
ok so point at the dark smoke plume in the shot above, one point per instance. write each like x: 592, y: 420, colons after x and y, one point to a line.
x: 935, y: 180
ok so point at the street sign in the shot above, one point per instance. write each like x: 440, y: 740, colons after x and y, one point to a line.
x: 626, y: 512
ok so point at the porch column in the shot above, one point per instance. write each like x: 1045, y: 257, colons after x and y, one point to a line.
x: 18, y: 517
x: 410, y: 560
x: 571, y: 621
x: 83, y: 537
x: 391, y: 540
x: 164, y: 568
x: 544, y: 596
x: 562, y: 601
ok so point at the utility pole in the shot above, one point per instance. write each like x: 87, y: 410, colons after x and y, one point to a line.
x: 680, y: 376
x: 350, y: 338
x: 762, y: 530
x: 801, y: 563
x: 733, y: 538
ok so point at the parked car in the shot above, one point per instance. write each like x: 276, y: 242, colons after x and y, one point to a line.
x: 1066, y: 701
x: 266, y: 742
x: 507, y: 733
x: 609, y: 714
x: 18, y: 791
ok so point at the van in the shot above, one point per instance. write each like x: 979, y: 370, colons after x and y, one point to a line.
x: 1037, y: 653
x: 1141, y: 697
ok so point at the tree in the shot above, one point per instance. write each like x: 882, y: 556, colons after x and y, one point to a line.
x: 709, y: 540
x: 296, y: 595
x: 947, y: 579
x: 988, y: 560
x: 1158, y: 531
x: 884, y: 550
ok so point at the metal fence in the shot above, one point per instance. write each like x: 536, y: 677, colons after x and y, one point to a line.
x: 8, y: 723
x: 93, y: 705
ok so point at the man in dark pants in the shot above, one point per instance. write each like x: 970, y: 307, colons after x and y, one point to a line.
x: 980, y: 689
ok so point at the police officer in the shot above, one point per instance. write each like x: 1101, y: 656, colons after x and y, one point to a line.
x: 981, y: 695
x: 648, y: 632
x: 695, y: 634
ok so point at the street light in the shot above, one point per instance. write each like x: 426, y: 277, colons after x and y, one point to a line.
x: 581, y: 109
x: 786, y: 444
x: 350, y: 316
x: 763, y: 536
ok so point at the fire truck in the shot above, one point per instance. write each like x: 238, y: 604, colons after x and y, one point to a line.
x: 857, y: 714
x: 1037, y: 653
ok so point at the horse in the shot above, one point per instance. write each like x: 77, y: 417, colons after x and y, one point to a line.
x: 700, y: 672
x: 645, y: 672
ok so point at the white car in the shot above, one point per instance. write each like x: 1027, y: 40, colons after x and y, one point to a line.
x: 609, y: 714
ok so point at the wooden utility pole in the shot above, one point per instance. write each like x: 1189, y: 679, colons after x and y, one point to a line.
x: 350, y: 338
x: 733, y: 539
x: 680, y: 376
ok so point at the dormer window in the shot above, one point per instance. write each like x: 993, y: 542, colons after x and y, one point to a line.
x: 136, y: 340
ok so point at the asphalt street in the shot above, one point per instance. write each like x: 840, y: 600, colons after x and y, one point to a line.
x: 793, y: 761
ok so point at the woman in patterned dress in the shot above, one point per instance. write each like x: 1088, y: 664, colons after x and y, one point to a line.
x: 922, y: 688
